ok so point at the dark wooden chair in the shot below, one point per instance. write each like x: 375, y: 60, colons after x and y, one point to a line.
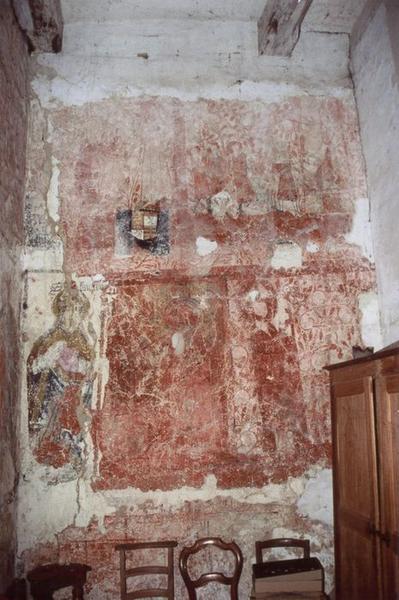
x: 193, y: 584
x: 16, y: 591
x: 282, y: 543
x: 47, y: 579
x: 126, y: 573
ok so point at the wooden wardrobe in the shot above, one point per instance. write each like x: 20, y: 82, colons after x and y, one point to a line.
x: 365, y: 429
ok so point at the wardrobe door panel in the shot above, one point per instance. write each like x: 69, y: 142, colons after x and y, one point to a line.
x: 355, y: 490
x: 388, y: 442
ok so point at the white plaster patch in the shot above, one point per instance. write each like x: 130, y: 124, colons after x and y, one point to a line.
x: 100, y: 310
x: 188, y: 59
x: 205, y: 246
x: 370, y: 322
x: 360, y: 233
x: 312, y: 247
x: 222, y: 205
x: 44, y: 510
x: 75, y: 503
x: 52, y: 194
x: 47, y: 259
x: 178, y: 343
x: 287, y: 255
x: 281, y: 319
x: 316, y: 501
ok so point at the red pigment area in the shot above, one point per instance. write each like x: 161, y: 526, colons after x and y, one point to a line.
x: 163, y: 423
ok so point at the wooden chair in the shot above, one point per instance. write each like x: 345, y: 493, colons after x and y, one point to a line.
x: 206, y: 578
x: 125, y: 573
x: 16, y: 591
x: 282, y: 543
x: 47, y: 579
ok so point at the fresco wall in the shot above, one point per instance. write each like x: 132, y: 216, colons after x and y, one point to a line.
x: 175, y: 389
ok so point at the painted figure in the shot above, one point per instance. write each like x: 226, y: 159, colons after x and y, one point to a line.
x: 60, y: 377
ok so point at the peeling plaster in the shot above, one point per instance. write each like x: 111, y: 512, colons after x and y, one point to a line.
x: 253, y: 295
x: 44, y: 510
x: 75, y: 503
x: 316, y: 501
x: 312, y: 247
x: 205, y: 246
x: 178, y: 342
x: 360, y: 233
x: 287, y: 255
x: 44, y: 259
x: 52, y: 194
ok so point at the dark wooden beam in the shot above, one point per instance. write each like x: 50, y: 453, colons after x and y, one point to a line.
x: 279, y: 27
x: 41, y: 21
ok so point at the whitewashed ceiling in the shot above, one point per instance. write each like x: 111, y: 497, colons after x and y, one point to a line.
x: 324, y: 15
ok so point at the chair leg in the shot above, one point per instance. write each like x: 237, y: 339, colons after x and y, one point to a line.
x: 77, y: 593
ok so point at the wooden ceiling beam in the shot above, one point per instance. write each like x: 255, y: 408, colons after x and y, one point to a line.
x: 279, y: 27
x: 41, y: 21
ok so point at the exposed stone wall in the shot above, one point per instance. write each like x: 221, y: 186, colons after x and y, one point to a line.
x: 13, y: 111
x: 175, y: 389
x: 375, y: 64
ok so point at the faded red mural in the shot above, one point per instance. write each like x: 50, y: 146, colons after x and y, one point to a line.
x: 199, y: 360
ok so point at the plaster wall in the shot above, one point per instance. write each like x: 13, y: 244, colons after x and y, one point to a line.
x: 375, y: 65
x: 175, y: 389
x: 13, y: 110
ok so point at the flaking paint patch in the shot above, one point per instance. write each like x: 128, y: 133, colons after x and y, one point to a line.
x: 178, y: 342
x: 44, y: 510
x: 287, y: 255
x: 370, y: 321
x: 253, y: 295
x: 312, y: 247
x: 205, y: 246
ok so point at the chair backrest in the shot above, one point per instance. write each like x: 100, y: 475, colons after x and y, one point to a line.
x: 279, y: 543
x: 193, y: 584
x: 125, y: 573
